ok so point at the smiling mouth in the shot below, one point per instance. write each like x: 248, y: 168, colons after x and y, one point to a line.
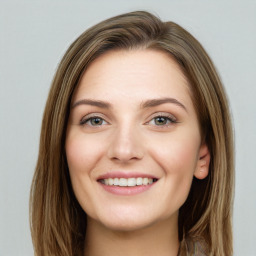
x: 130, y: 182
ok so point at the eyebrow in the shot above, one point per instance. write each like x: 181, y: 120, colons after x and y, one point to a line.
x: 146, y: 104
x: 97, y: 103
x: 157, y: 102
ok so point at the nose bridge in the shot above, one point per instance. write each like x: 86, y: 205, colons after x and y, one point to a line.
x: 126, y: 143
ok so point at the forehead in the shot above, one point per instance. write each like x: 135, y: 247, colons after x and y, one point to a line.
x: 134, y: 74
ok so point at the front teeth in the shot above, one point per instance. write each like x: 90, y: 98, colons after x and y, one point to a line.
x: 130, y: 182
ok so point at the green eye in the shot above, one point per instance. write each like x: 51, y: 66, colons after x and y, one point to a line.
x: 93, y: 121
x: 96, y: 121
x: 161, y: 120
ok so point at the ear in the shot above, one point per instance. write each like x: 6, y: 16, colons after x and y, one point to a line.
x: 203, y: 162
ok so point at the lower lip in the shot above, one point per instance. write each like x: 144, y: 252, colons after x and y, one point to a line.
x: 126, y: 191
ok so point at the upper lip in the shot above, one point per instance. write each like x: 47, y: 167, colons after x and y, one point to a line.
x: 126, y: 175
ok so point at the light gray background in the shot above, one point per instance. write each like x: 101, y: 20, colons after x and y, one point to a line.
x: 33, y: 37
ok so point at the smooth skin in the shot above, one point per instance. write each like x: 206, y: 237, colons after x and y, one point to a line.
x: 132, y: 112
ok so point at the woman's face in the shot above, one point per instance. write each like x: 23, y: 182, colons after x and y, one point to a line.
x: 133, y: 143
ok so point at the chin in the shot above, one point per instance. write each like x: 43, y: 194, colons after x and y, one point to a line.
x: 128, y: 225
x: 124, y: 218
x: 129, y: 219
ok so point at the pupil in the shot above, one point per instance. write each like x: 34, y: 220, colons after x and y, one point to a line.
x: 160, y: 120
x: 96, y: 121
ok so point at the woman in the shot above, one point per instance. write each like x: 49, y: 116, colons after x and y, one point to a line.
x: 136, y: 148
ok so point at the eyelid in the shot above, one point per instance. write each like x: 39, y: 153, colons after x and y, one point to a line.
x: 162, y: 114
x: 85, y: 118
x: 172, y: 118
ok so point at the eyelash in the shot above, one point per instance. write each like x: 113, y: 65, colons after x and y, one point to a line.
x: 167, y: 117
x: 89, y: 119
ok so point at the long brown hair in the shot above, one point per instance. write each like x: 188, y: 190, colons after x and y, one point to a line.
x: 58, y: 223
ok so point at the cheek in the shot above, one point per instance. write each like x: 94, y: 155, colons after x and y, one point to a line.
x: 178, y: 160
x: 180, y: 166
x: 177, y: 156
x: 81, y: 153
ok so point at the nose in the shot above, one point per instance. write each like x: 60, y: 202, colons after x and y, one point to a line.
x: 126, y: 145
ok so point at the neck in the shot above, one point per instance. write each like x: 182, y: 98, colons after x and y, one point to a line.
x: 157, y: 239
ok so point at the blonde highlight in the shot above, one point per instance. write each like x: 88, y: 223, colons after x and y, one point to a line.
x: 58, y: 223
